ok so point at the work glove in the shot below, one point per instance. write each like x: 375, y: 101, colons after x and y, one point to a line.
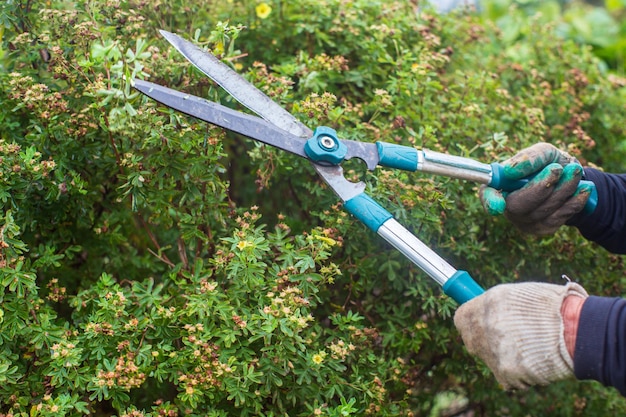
x: 548, y: 200
x: 517, y: 330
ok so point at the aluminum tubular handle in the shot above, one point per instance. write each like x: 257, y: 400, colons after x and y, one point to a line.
x: 411, y: 159
x: 457, y: 284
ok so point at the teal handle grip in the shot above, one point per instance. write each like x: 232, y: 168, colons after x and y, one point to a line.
x: 462, y: 287
x: 500, y: 182
x: 397, y: 156
x: 456, y: 284
x: 592, y: 202
x: 368, y: 211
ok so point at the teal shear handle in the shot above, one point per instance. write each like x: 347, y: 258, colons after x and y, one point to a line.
x: 411, y: 159
x: 457, y: 284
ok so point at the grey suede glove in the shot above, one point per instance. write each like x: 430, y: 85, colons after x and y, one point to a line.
x: 548, y: 200
x: 517, y: 330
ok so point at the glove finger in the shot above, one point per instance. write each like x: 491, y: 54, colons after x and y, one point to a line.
x: 550, y: 224
x: 493, y: 201
x: 533, y: 159
x: 563, y: 191
x: 478, y: 323
x: 535, y: 193
x: 469, y: 319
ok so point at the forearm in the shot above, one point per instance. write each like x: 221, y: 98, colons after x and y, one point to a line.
x: 600, y: 350
x: 570, y: 310
x: 607, y: 224
x: 523, y: 342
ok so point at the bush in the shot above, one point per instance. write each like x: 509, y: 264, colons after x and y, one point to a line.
x: 155, y: 265
x: 599, y: 24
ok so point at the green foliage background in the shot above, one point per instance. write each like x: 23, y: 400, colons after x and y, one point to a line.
x: 597, y: 23
x: 154, y: 265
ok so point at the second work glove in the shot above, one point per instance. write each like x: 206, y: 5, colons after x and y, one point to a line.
x: 518, y: 331
x: 549, y: 199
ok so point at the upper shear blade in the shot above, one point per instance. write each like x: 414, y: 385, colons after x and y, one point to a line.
x: 255, y: 100
x: 216, y: 114
x: 237, y: 86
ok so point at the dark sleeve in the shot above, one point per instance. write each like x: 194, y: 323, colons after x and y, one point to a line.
x: 600, y: 352
x: 607, y: 224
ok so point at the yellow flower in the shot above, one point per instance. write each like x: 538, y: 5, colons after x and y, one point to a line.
x: 241, y: 245
x: 327, y: 240
x: 219, y: 48
x: 317, y: 358
x: 263, y: 10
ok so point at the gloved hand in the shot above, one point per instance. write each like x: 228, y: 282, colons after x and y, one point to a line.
x: 518, y: 331
x: 548, y: 200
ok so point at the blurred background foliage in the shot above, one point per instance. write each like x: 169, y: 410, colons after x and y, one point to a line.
x: 155, y: 265
x: 597, y: 23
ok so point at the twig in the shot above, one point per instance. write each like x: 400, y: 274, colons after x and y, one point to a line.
x: 182, y: 252
x: 232, y: 58
x: 159, y: 255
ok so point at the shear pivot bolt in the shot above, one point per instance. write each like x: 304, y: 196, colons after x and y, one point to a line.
x: 327, y: 143
x: 324, y: 146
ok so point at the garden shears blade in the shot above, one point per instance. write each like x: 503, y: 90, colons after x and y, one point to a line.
x: 254, y: 99
x: 219, y: 115
x: 237, y: 86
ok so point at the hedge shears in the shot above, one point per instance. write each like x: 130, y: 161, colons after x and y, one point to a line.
x: 326, y: 151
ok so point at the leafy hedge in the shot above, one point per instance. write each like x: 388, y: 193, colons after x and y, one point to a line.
x: 599, y: 24
x: 154, y: 265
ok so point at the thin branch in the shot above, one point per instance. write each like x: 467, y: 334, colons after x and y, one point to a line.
x: 158, y: 254
x: 232, y: 58
x: 182, y: 252
x: 162, y: 258
x: 118, y: 158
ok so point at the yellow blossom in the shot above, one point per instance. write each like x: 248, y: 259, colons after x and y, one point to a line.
x: 317, y: 358
x: 241, y: 245
x: 218, y: 49
x: 263, y: 10
x: 327, y: 240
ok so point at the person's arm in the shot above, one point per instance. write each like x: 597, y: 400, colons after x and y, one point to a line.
x: 570, y: 311
x: 607, y: 224
x: 554, y: 197
x: 600, y: 352
x: 518, y: 330
x: 536, y: 333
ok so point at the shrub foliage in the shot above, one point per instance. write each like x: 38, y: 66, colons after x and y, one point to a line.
x: 154, y: 265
